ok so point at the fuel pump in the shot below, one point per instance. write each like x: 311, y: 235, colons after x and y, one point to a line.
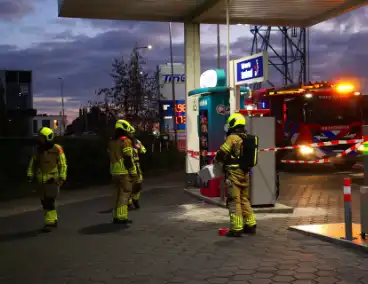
x: 213, y: 112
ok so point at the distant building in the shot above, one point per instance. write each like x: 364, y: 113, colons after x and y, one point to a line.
x: 16, y: 100
x: 55, y: 122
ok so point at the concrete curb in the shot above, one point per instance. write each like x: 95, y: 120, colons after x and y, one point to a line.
x: 337, y: 241
x: 278, y: 208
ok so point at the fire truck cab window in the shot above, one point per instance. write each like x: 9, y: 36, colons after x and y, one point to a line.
x: 276, y: 108
x: 293, y: 109
x: 331, y: 111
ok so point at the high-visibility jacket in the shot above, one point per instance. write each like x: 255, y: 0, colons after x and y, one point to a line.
x: 138, y: 149
x: 229, y: 152
x: 121, y: 157
x: 48, y: 164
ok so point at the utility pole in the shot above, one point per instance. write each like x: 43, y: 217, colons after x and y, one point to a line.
x: 218, y: 48
x: 62, y: 104
x: 173, y: 86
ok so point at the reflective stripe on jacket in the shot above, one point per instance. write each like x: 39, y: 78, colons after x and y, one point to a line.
x: 120, y: 150
x: 48, y: 164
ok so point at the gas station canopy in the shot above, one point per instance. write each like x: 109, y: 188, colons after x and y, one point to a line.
x: 297, y: 13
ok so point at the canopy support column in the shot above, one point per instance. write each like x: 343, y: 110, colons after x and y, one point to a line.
x: 192, y: 75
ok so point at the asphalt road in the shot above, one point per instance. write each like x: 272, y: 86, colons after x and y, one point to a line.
x: 174, y: 240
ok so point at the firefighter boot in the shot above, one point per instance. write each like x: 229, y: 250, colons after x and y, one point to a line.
x: 135, y: 200
x: 51, y: 221
x: 122, y: 215
x: 50, y: 214
x: 250, y: 225
x: 131, y: 204
x: 234, y: 234
x: 236, y: 226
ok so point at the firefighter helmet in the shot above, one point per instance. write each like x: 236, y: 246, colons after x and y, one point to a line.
x: 47, y: 133
x: 236, y: 119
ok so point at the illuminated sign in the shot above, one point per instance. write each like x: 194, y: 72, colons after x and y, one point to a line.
x: 180, y: 113
x: 178, y: 78
x: 180, y: 108
x: 203, y: 103
x: 181, y: 119
x: 251, y: 69
x: 213, y: 78
x: 223, y: 110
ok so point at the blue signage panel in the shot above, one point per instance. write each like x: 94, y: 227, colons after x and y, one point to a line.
x: 167, y: 111
x: 251, y: 69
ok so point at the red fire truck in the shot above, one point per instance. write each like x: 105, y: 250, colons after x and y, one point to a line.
x: 317, y: 112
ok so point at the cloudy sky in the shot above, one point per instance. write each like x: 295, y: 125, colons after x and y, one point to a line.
x: 81, y: 51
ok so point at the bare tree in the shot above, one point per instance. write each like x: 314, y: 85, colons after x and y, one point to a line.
x: 134, y: 95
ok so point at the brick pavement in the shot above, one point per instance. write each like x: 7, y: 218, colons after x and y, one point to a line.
x: 321, y: 191
x: 14, y: 207
x: 174, y: 240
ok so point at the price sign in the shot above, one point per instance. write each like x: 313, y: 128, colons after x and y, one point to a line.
x: 181, y: 119
x: 180, y: 108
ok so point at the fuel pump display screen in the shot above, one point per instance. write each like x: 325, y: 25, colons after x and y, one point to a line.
x: 203, y: 138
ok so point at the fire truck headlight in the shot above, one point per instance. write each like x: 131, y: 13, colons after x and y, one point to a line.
x: 308, y: 96
x: 361, y: 148
x: 305, y: 150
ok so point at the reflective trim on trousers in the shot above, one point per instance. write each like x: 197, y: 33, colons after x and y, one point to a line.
x: 122, y: 212
x: 236, y: 222
x: 50, y: 217
x: 250, y: 221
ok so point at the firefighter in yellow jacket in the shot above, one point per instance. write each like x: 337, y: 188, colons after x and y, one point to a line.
x: 137, y: 187
x: 48, y: 164
x: 122, y: 169
x: 242, y: 218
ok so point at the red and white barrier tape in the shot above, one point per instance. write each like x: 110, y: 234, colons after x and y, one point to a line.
x: 313, y: 145
x: 196, y: 153
x: 324, y: 160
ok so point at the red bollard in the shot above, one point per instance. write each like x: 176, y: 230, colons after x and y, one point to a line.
x: 347, y: 210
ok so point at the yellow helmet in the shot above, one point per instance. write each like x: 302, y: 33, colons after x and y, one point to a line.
x: 123, y: 124
x: 132, y: 130
x: 236, y: 119
x: 47, y: 133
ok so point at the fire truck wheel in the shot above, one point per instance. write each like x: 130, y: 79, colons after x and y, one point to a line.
x: 346, y: 166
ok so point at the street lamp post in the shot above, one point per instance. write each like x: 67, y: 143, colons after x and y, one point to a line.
x: 173, y: 86
x: 218, y: 47
x: 62, y: 103
x: 136, y: 59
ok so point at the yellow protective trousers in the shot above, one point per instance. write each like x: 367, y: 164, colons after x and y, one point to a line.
x: 240, y: 210
x: 122, y: 192
x: 48, y: 192
x: 137, y: 186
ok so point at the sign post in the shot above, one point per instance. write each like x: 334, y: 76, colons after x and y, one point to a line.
x: 244, y: 71
x: 365, y: 155
x: 364, y: 189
